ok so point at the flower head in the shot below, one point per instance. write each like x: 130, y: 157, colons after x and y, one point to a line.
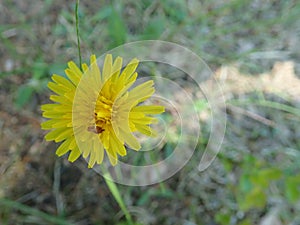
x: 96, y: 112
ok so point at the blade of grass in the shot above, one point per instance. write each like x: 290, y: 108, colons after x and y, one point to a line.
x: 270, y: 104
x: 115, y: 192
x: 34, y: 212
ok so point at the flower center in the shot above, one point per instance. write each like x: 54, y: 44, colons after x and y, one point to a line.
x: 102, y: 115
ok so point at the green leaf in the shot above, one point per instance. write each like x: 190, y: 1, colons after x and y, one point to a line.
x: 24, y: 94
x: 263, y: 177
x: 144, y: 199
x: 200, y: 105
x: 223, y: 218
x: 58, y: 68
x: 117, y: 28
x: 271, y: 173
x: 175, y: 10
x: 103, y: 13
x: 39, y: 69
x: 146, y: 196
x: 245, y: 184
x: 292, y: 189
x: 245, y: 222
x: 255, y: 199
x: 154, y: 28
x: 228, y: 165
x: 168, y: 149
x: 126, y: 223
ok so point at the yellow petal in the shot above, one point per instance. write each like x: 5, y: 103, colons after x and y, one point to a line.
x: 99, y: 151
x: 58, y: 89
x: 54, y: 133
x: 112, y: 152
x: 143, y: 120
x: 52, y: 114
x: 63, y: 81
x: 116, y: 68
x: 149, y: 109
x: 60, y: 99
x: 75, y: 153
x: 85, y: 67
x: 129, y: 69
x: 129, y: 139
x: 67, y: 133
x: 63, y: 148
x: 86, y: 148
x: 73, y: 76
x: 107, y: 66
x: 73, y: 67
x: 146, y: 130
x: 117, y: 142
x: 92, y: 156
x: 104, y: 136
x: 141, y: 92
x: 95, y: 73
x: 56, y: 123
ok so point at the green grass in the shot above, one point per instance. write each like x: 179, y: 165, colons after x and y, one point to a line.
x: 29, y: 211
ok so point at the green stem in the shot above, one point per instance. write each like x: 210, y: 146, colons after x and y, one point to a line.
x: 77, y: 33
x: 115, y: 192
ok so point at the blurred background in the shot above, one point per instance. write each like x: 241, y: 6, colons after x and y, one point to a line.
x: 252, y: 46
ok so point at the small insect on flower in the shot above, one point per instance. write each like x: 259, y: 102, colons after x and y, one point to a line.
x: 96, y: 112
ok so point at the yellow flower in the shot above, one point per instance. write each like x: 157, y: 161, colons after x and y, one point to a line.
x: 95, y: 112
